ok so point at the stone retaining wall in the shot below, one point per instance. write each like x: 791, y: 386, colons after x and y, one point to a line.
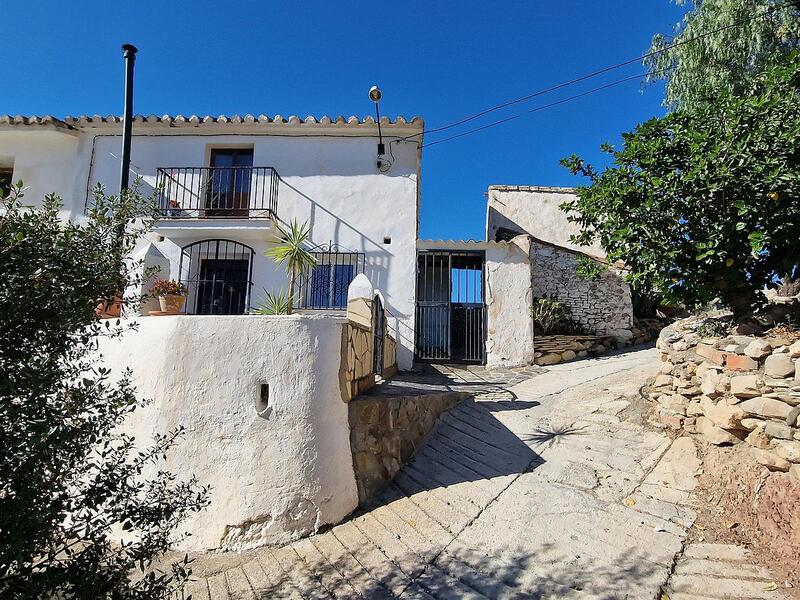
x: 385, y: 431
x: 554, y: 349
x: 732, y: 390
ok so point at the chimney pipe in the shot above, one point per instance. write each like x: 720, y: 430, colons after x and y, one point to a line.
x: 129, y: 54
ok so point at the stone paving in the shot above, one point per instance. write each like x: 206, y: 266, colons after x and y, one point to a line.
x: 549, y: 488
x: 720, y: 571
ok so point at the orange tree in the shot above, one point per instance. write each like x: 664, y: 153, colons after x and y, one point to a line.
x: 704, y: 203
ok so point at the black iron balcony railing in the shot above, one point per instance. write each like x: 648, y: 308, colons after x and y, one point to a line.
x: 217, y: 192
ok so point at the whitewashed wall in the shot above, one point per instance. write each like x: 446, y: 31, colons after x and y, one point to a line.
x: 509, y: 325
x: 328, y: 178
x: 534, y: 210
x: 277, y: 475
x: 46, y: 161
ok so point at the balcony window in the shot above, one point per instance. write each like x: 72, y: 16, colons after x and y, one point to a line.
x: 230, y: 178
x: 218, y: 274
x: 324, y: 287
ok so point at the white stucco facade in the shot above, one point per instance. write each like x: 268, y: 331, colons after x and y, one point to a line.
x: 279, y: 466
x: 534, y: 210
x: 328, y: 178
x: 509, y: 326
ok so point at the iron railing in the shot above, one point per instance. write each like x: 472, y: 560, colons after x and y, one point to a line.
x: 324, y: 286
x: 218, y: 275
x: 217, y: 192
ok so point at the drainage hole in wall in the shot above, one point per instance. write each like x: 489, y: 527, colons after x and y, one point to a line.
x: 262, y: 400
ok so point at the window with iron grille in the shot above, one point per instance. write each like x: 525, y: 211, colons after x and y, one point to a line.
x: 218, y: 275
x: 324, y: 286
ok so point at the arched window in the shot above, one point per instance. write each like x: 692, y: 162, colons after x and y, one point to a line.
x: 219, y: 275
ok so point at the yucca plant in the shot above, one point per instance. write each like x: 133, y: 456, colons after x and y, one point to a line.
x: 291, y: 252
x: 277, y: 303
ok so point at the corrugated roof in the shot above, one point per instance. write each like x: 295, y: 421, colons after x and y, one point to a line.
x: 83, y: 121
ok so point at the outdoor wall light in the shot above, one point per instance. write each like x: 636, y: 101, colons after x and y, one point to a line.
x: 375, y: 95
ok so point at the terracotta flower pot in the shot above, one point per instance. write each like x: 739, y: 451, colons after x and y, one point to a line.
x: 110, y: 310
x: 171, y: 304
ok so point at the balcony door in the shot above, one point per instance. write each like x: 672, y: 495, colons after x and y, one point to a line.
x: 228, y: 186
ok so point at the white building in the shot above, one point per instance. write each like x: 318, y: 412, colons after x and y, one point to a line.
x: 223, y: 182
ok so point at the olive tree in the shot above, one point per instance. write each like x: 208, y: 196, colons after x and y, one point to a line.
x: 721, y: 46
x: 704, y: 202
x: 84, y: 512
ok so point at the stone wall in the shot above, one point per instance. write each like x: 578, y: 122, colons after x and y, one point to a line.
x: 732, y: 390
x: 385, y: 432
x: 357, y: 372
x: 602, y: 306
x: 553, y: 349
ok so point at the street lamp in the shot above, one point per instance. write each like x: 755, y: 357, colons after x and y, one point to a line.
x: 375, y: 96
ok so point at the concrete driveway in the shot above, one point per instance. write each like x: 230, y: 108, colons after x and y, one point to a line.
x: 552, y: 488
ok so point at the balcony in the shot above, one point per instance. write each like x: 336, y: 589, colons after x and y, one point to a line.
x: 203, y: 193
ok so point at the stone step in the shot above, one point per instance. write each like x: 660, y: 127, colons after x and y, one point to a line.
x: 718, y: 568
x: 411, y: 559
x: 269, y: 579
x: 349, y: 567
x: 309, y: 585
x: 442, y: 586
x: 327, y: 573
x: 498, y: 458
x: 239, y: 587
x: 218, y: 587
x: 476, y: 461
x: 196, y: 588
x: 472, y: 486
x: 371, y: 558
x: 722, y: 587
x: 413, y: 480
x: 729, y: 552
x: 261, y: 582
x: 441, y: 511
x: 416, y: 528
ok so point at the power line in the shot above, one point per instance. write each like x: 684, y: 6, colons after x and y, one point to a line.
x: 537, y: 109
x: 467, y: 119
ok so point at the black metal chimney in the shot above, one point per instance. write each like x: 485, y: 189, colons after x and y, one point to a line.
x: 129, y: 54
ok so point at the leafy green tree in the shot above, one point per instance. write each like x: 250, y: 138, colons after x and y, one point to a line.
x: 290, y: 249
x: 83, y: 513
x: 721, y: 46
x: 704, y: 203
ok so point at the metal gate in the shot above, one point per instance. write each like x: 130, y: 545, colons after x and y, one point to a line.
x: 451, y: 314
x: 377, y: 344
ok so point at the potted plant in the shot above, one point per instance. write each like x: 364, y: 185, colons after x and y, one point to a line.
x: 171, y: 295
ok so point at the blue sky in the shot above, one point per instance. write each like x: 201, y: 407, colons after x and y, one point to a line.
x: 440, y: 60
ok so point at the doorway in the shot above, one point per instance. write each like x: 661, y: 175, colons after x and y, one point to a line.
x: 228, y: 185
x: 451, y: 314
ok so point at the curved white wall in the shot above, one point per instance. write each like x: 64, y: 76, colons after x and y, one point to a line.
x: 275, y: 476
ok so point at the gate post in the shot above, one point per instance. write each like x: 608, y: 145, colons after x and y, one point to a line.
x: 509, y: 331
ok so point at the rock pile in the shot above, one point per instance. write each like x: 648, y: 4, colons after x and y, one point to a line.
x: 553, y: 349
x: 731, y: 390
x: 645, y: 330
